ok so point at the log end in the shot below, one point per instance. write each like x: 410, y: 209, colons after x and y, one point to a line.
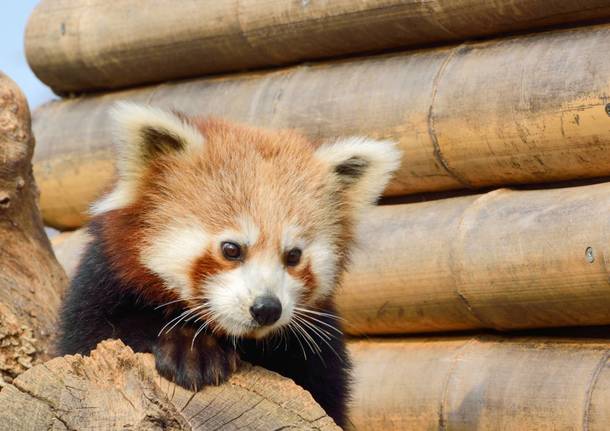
x: 115, y: 388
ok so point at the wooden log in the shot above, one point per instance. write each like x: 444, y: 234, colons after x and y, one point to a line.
x: 31, y: 280
x: 115, y: 389
x: 92, y: 44
x: 503, y: 260
x: 528, y: 109
x: 482, y: 383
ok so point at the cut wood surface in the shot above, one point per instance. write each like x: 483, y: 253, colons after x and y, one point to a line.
x: 115, y: 389
x: 503, y: 260
x: 75, y: 45
x: 483, y: 383
x: 527, y: 109
x: 31, y: 280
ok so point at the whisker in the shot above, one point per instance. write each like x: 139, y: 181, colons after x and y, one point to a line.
x: 315, y: 348
x: 201, y: 328
x: 319, y: 313
x: 175, y: 319
x: 198, y: 316
x: 318, y: 351
x: 327, y: 334
x: 316, y: 329
x: 325, y: 324
x: 173, y: 302
x: 298, y: 340
x: 313, y: 327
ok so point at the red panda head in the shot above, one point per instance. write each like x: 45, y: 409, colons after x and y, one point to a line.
x: 245, y: 226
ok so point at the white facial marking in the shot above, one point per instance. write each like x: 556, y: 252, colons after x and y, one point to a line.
x: 231, y: 294
x: 123, y: 195
x: 383, y: 159
x: 249, y: 230
x: 128, y: 122
x: 291, y: 238
x: 247, y: 234
x: 173, y: 253
x: 324, y: 260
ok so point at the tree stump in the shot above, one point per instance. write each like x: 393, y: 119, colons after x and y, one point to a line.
x: 31, y: 280
x: 117, y: 389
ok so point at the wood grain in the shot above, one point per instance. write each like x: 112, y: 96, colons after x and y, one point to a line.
x: 31, y: 280
x: 76, y: 45
x: 528, y: 109
x: 115, y: 389
x: 481, y: 383
x: 504, y: 260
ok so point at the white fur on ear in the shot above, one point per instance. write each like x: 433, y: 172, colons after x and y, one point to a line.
x: 363, y: 166
x: 139, y: 132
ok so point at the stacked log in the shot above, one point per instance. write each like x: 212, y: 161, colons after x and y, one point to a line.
x: 91, y: 44
x: 457, y: 123
x: 481, y: 383
x: 523, y: 109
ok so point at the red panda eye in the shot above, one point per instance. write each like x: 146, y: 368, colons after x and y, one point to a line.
x: 231, y: 251
x: 293, y: 257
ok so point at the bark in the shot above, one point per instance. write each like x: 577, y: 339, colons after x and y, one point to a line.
x: 481, y: 383
x: 504, y: 260
x: 76, y: 45
x: 31, y: 280
x: 529, y: 109
x: 115, y: 389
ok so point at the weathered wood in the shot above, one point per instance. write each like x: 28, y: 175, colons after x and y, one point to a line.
x: 527, y: 109
x: 482, y: 383
x: 503, y: 260
x: 115, y: 389
x: 31, y: 280
x: 75, y: 45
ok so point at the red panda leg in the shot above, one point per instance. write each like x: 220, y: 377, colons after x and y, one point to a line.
x: 193, y: 362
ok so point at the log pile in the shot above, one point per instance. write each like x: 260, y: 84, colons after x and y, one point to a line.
x: 480, y: 95
x: 458, y: 125
x: 83, y: 45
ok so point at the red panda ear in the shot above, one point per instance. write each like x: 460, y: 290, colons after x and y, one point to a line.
x: 362, y: 167
x: 142, y: 133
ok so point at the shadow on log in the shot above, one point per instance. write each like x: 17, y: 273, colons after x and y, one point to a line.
x: 116, y: 389
x: 31, y: 280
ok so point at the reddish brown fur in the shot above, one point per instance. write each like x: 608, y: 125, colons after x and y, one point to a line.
x: 308, y: 278
x: 286, y: 183
x: 206, y: 266
x: 122, y: 239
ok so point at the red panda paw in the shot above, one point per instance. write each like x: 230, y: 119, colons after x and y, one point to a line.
x: 192, y: 365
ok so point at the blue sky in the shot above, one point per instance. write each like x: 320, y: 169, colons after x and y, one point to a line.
x: 13, y: 18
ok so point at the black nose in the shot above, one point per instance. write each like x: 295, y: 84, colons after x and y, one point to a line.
x: 266, y: 310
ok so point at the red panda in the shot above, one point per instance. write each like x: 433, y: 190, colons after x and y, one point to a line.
x: 222, y: 242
